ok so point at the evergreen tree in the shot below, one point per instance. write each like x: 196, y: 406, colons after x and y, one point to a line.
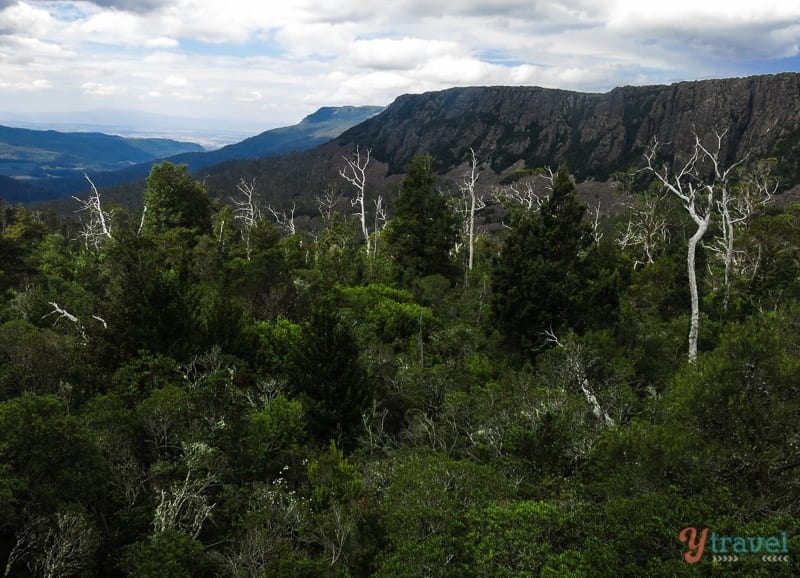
x: 537, y: 278
x: 424, y: 229
x: 174, y: 199
x: 329, y: 378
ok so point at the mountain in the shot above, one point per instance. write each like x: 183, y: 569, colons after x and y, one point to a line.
x: 514, y: 128
x: 323, y: 125
x: 47, y: 154
x: 596, y: 134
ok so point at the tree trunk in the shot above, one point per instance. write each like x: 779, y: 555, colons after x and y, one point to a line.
x: 694, y: 323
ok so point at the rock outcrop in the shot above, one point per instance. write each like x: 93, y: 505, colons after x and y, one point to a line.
x: 596, y: 134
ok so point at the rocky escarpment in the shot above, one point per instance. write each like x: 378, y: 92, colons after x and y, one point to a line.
x: 596, y: 134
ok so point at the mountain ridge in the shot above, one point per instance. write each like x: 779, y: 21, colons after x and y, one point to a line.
x: 321, y: 126
x: 595, y: 133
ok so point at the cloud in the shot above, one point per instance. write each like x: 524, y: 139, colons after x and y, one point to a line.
x: 399, y: 54
x: 33, y: 86
x: 103, y: 90
x: 237, y: 56
x: 25, y: 19
x: 139, y: 6
x: 161, y: 42
x: 173, y: 81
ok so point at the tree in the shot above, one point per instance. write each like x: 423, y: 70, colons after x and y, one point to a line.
x: 697, y: 195
x: 472, y: 203
x: 737, y: 206
x: 174, y: 199
x: 98, y: 226
x: 328, y: 376
x: 424, y: 230
x: 247, y: 210
x: 355, y: 174
x: 537, y: 280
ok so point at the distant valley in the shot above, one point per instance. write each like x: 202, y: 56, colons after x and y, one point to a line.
x: 40, y: 165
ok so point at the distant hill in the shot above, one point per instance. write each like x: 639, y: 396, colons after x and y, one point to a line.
x: 320, y: 127
x: 325, y: 124
x: 49, y: 153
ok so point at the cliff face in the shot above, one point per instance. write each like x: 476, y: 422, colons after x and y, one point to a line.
x: 595, y: 133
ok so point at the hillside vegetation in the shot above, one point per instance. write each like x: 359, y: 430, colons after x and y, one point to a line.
x: 193, y: 388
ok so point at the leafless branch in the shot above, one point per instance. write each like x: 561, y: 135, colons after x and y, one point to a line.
x: 284, y: 219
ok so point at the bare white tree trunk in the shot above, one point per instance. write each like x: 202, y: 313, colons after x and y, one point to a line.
x: 694, y: 321
x: 247, y: 210
x: 473, y: 203
x: 97, y: 228
x: 55, y: 548
x: 356, y: 175
x: 380, y: 222
x: 737, y: 205
x: 697, y: 196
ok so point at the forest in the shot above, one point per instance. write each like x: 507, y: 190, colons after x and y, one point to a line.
x: 451, y: 382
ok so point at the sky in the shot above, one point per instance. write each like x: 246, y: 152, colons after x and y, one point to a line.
x: 262, y: 64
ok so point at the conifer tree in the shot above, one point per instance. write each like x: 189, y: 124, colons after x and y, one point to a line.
x: 537, y: 278
x: 424, y: 229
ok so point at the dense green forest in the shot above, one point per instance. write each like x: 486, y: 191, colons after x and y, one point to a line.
x: 197, y: 390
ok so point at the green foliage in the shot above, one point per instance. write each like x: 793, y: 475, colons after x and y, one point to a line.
x: 174, y: 199
x: 333, y: 478
x: 328, y: 377
x: 540, y: 280
x: 514, y: 539
x: 279, y: 342
x: 742, y: 400
x: 50, y: 456
x: 423, y: 231
x: 169, y: 555
x: 385, y: 313
x: 426, y: 513
x: 278, y: 427
x: 304, y: 410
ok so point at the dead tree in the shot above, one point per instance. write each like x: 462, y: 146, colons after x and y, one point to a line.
x: 55, y: 548
x: 528, y: 194
x: 284, y: 219
x: 697, y: 195
x: 647, y: 229
x: 326, y: 204
x: 380, y: 222
x: 737, y: 205
x: 62, y: 313
x: 472, y: 203
x: 97, y: 227
x: 247, y: 211
x: 183, y: 506
x: 575, y: 365
x: 356, y: 174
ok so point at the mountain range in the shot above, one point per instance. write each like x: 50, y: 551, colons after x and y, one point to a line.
x: 512, y: 129
x: 515, y: 128
x: 52, y: 163
x: 48, y: 154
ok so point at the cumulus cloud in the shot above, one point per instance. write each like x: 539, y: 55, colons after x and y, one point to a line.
x: 236, y: 57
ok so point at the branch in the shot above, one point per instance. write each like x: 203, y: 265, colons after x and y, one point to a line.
x: 284, y: 220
